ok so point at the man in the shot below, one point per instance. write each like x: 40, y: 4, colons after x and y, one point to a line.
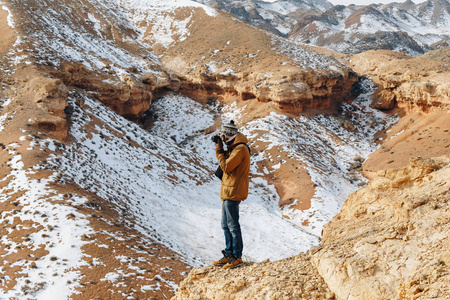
x: 235, y: 163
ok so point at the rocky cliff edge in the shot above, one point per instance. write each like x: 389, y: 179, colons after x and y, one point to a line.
x: 390, y: 241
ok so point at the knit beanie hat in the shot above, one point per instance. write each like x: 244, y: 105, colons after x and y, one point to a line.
x: 229, y: 129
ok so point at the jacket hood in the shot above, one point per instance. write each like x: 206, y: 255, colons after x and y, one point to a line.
x: 240, y: 138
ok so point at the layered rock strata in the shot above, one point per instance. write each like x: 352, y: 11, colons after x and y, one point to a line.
x: 215, y: 61
x: 41, y: 101
x: 412, y: 84
x: 130, y: 95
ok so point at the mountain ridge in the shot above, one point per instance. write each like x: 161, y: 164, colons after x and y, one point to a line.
x: 404, y: 26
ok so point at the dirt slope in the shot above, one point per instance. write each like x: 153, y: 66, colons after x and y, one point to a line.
x: 53, y: 230
x: 7, y: 33
x: 59, y: 240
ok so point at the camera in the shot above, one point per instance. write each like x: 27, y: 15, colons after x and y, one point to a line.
x: 216, y: 138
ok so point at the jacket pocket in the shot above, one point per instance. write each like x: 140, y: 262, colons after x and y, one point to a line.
x: 228, y: 191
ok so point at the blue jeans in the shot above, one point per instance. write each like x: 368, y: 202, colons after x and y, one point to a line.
x: 231, y: 228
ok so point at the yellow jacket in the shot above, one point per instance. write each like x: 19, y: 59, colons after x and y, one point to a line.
x: 235, y: 163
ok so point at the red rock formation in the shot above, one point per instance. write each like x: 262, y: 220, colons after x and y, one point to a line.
x: 413, y: 84
x: 130, y: 95
x: 254, y: 66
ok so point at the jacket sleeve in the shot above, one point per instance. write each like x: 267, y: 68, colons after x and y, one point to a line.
x: 235, y: 158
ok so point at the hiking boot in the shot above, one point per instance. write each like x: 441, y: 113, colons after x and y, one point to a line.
x: 233, y: 263
x: 224, y: 260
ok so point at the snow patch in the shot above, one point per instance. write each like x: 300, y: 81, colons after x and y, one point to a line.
x: 55, y: 274
x: 161, y: 16
x: 9, y: 18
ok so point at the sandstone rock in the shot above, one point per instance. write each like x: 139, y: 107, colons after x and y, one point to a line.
x: 159, y: 80
x: 130, y: 96
x: 384, y: 100
x: 389, y: 241
x: 292, y: 278
x: 413, y: 84
x: 364, y: 258
x: 49, y: 97
x: 55, y: 126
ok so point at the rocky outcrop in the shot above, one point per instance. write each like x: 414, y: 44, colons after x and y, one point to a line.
x: 129, y: 94
x: 413, y: 84
x: 390, y: 241
x: 414, y: 91
x: 46, y: 89
x: 50, y: 95
x: 41, y: 99
x: 293, y: 278
x: 292, y: 92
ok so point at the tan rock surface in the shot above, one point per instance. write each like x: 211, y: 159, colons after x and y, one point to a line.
x: 41, y: 101
x: 293, y: 278
x: 129, y: 96
x: 390, y: 239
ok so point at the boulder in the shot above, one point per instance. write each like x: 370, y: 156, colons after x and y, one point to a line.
x: 390, y: 239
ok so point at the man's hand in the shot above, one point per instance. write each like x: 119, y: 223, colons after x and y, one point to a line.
x: 219, y: 144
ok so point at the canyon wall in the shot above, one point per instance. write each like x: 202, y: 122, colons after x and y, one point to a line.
x: 214, y: 61
x: 390, y: 240
x: 412, y: 84
x: 418, y: 91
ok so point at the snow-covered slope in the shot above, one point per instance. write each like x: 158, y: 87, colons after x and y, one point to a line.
x: 163, y: 22
x: 406, y: 27
x: 100, y: 34
x: 97, y: 36
x: 166, y: 191
x: 277, y: 16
